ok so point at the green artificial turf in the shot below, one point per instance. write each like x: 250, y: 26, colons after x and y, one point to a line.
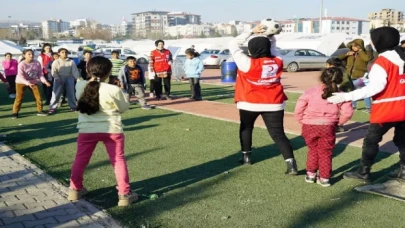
x: 224, y: 94
x: 191, y: 163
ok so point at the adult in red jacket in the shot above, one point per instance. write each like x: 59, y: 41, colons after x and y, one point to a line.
x: 387, y: 88
x: 44, y: 59
x: 160, y: 64
x: 259, y: 92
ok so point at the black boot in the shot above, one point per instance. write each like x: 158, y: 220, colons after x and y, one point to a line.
x: 291, y: 167
x: 362, y: 174
x: 398, y: 174
x: 246, y: 159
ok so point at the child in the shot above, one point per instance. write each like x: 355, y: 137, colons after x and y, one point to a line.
x: 65, y: 73
x: 117, y: 65
x: 10, y: 66
x: 132, y: 80
x: 83, y: 63
x: 100, y: 106
x: 44, y: 58
x: 319, y: 119
x: 347, y: 83
x: 193, y: 68
x: 29, y: 75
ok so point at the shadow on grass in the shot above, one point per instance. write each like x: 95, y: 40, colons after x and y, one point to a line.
x: 315, y: 215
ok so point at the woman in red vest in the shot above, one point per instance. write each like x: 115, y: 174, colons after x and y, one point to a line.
x: 387, y: 88
x: 44, y: 58
x: 160, y: 64
x: 259, y: 92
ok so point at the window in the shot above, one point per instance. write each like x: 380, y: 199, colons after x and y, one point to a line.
x: 314, y: 53
x: 226, y: 52
x: 284, y: 52
x: 118, y: 50
x: 129, y: 52
x: 301, y: 53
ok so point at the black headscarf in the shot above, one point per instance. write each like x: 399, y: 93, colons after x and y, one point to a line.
x: 387, y: 39
x: 259, y: 47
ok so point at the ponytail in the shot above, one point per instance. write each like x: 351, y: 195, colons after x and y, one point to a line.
x: 89, y: 102
x: 99, y: 69
x: 331, y: 78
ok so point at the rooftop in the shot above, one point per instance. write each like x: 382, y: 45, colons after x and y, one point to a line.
x: 152, y: 11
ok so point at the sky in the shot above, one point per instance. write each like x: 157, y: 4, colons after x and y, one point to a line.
x: 112, y: 11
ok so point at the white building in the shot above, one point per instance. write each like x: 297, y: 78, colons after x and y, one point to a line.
x: 79, y: 23
x: 150, y: 22
x: 189, y: 31
x: 54, y: 26
x: 123, y: 29
x: 330, y: 25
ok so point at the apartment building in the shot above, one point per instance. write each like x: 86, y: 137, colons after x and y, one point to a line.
x: 350, y: 26
x: 387, y: 16
x: 189, y: 31
x: 150, y: 22
x: 182, y: 18
x: 123, y: 29
x: 54, y: 26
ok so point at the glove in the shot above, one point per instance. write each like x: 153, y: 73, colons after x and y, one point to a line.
x: 338, y: 98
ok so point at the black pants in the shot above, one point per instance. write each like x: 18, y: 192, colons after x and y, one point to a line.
x: 195, y: 88
x: 275, y: 126
x: 11, y: 83
x: 375, y: 135
x: 152, y: 86
x: 158, y: 85
x: 47, y: 91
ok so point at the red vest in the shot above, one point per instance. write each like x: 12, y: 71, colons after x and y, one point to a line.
x: 45, y: 60
x: 261, y: 84
x: 389, y: 105
x: 161, y: 60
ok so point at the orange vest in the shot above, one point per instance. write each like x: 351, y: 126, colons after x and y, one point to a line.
x: 161, y: 60
x: 262, y: 83
x: 45, y: 60
x: 389, y: 105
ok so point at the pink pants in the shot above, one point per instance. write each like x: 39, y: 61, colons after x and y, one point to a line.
x: 114, y: 143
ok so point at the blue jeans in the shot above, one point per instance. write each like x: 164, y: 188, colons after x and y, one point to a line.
x: 69, y: 86
x: 367, y: 101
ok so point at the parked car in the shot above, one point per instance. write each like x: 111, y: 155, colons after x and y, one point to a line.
x: 123, y: 54
x: 302, y: 59
x: 214, y: 57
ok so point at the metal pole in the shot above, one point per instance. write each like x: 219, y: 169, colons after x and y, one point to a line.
x: 320, y: 18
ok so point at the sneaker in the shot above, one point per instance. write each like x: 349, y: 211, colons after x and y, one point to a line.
x: 158, y: 98
x: 310, y: 179
x: 168, y: 98
x: 367, y: 110
x: 73, y: 110
x: 126, y: 200
x: 12, y: 96
x: 146, y: 107
x: 151, y: 95
x: 51, y: 111
x: 75, y: 195
x: 14, y: 116
x: 42, y: 114
x: 323, y: 182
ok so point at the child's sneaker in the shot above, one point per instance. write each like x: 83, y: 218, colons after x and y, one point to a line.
x: 146, y: 107
x: 323, y: 182
x: 75, y: 195
x: 14, y: 116
x: 42, y: 114
x: 126, y: 200
x: 340, y: 129
x: 310, y: 179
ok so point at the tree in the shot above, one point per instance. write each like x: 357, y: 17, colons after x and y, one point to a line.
x: 234, y: 31
x: 94, y: 33
x: 202, y: 35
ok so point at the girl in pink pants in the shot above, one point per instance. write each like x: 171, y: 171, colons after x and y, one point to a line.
x: 100, y: 106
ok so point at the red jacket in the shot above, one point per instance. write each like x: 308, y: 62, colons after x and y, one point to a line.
x: 389, y: 105
x: 160, y: 60
x: 45, y: 60
x: 262, y: 83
